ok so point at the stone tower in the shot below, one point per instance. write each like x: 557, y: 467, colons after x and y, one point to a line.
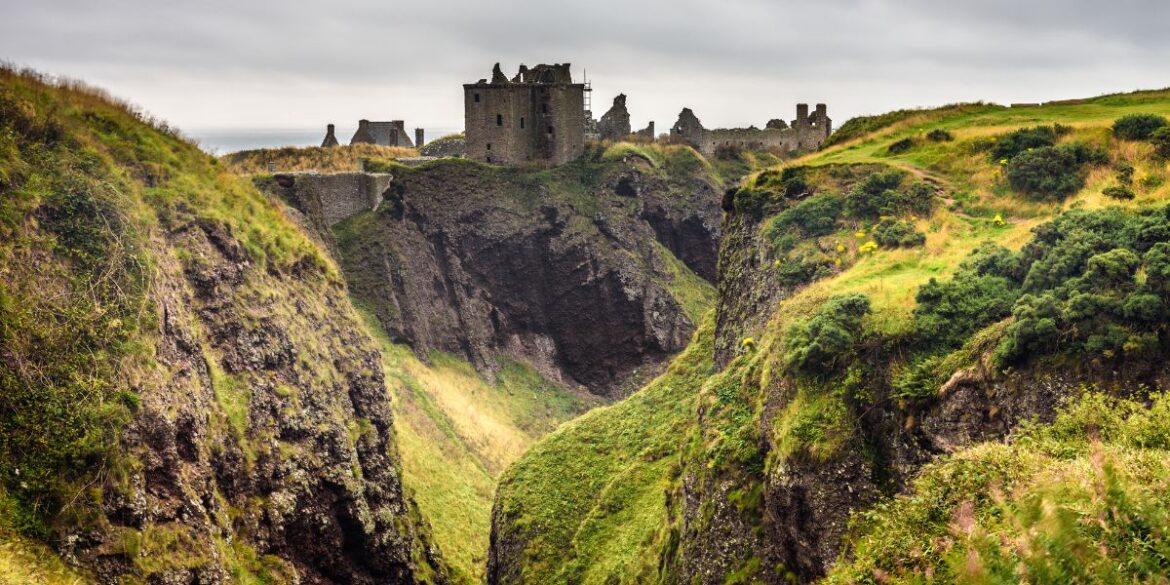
x: 538, y: 115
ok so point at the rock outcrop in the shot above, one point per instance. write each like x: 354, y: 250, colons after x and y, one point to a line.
x: 470, y: 260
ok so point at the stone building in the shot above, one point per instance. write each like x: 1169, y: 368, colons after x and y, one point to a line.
x: 615, y: 124
x: 805, y: 132
x: 330, y: 139
x: 538, y: 115
x: 382, y: 133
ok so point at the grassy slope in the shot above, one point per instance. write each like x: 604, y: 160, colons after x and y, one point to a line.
x: 457, y: 431
x: 890, y: 277
x: 84, y: 181
x: 976, y: 189
x: 1079, y: 501
x: 590, y: 498
x: 336, y: 159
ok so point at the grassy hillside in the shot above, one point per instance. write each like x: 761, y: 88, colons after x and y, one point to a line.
x: 1079, y: 501
x: 918, y: 247
x: 335, y: 159
x: 457, y: 431
x: 153, y: 303
x: 589, y: 503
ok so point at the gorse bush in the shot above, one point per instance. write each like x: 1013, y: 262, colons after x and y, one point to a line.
x: 823, y: 344
x: 881, y: 194
x: 816, y: 216
x: 1009, y: 145
x: 981, y: 292
x: 1160, y: 138
x: 1051, y: 173
x: 1118, y: 192
x: 901, y: 146
x: 893, y: 233
x: 1138, y: 126
x: 1089, y: 284
x: 939, y: 135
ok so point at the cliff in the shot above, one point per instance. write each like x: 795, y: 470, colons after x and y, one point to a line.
x: 187, y: 393
x: 591, y: 271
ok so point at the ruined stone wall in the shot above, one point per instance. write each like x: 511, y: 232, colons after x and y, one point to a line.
x: 749, y: 138
x: 338, y: 195
x: 806, y: 132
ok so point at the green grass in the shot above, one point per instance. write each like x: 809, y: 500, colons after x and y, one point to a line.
x: 1078, y: 501
x: 697, y: 296
x: 589, y: 500
x: 458, y: 430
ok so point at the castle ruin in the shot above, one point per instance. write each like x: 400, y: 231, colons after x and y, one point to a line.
x: 538, y: 115
x: 391, y: 133
x: 806, y: 132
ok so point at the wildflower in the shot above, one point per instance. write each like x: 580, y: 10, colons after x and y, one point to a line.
x: 1003, y: 161
x: 748, y: 343
x: 999, y: 220
x: 868, y: 247
x: 840, y: 248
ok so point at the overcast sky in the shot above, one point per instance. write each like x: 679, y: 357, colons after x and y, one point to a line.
x: 240, y: 64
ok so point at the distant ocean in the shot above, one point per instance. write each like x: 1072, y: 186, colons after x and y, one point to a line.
x: 221, y: 142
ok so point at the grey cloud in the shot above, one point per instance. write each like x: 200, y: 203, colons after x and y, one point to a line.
x: 231, y: 63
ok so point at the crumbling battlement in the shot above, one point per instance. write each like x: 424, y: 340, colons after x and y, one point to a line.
x: 337, y: 195
x: 804, y: 133
x: 538, y: 115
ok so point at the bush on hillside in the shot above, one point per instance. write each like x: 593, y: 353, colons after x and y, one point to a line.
x: 1137, y: 126
x: 813, y: 217
x: 900, y: 146
x: 894, y: 233
x: 939, y: 135
x: 1009, y: 145
x: 822, y: 345
x: 982, y: 291
x: 1050, y: 173
x: 1161, y: 141
x: 1118, y: 192
x: 880, y: 194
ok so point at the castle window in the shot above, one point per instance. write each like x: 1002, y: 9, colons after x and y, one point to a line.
x: 489, y: 146
x: 499, y: 119
x: 550, y: 130
x: 477, y: 98
x: 544, y: 108
x: 521, y: 123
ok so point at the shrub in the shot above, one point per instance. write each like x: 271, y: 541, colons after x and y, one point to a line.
x: 983, y: 291
x: 1125, y: 173
x: 1050, y: 173
x: 823, y: 344
x: 813, y: 217
x: 867, y: 201
x: 1118, y: 192
x: 1138, y: 126
x: 1009, y: 145
x: 901, y: 146
x: 894, y: 233
x: 1161, y: 141
x: 939, y: 135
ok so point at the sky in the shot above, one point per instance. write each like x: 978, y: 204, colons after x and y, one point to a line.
x: 244, y: 65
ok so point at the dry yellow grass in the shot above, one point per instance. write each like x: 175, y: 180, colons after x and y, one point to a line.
x: 313, y: 158
x: 25, y: 563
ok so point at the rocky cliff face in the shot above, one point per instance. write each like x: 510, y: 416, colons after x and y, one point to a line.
x: 795, y: 522
x: 188, y: 394
x: 562, y: 268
